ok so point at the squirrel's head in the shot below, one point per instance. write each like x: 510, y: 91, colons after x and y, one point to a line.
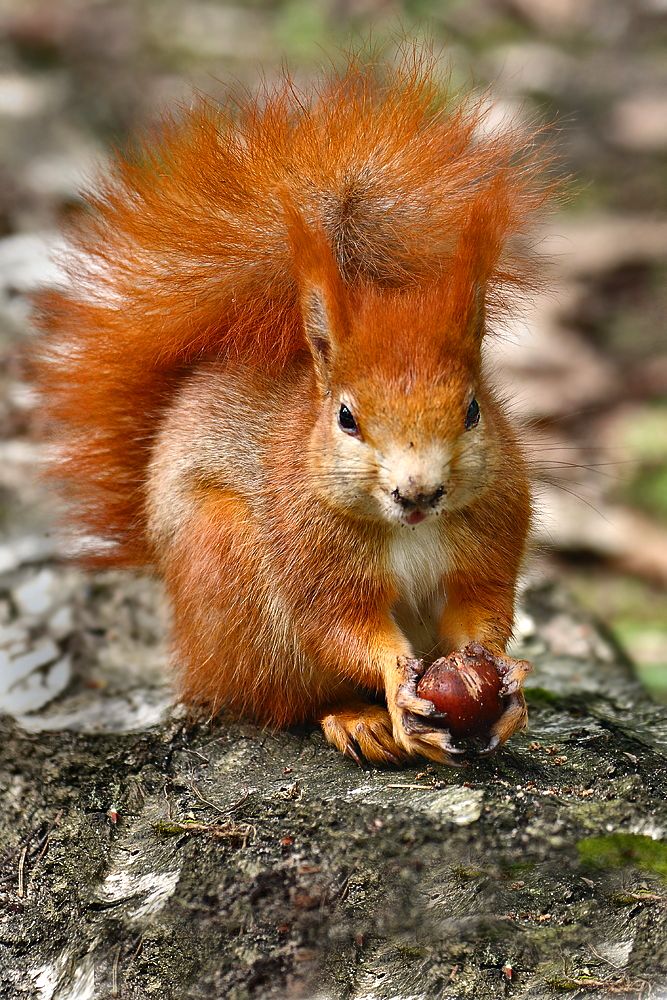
x: 406, y: 429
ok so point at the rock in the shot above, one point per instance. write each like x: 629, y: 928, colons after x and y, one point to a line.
x: 17, y: 668
x: 13, y: 637
x: 188, y: 859
x: 25, y: 550
x: 61, y: 623
x: 132, y: 712
x: 460, y: 806
x: 38, y: 594
x: 27, y: 261
x: 34, y: 688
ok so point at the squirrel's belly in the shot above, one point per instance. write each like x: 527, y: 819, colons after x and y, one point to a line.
x: 417, y: 562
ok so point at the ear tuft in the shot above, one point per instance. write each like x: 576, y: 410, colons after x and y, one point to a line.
x: 321, y: 289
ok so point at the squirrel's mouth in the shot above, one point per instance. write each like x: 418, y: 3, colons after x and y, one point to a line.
x: 416, y: 517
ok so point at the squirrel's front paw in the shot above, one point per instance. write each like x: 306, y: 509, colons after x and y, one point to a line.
x: 410, y: 717
x: 515, y: 715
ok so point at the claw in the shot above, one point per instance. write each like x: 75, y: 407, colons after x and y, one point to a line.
x: 437, y: 737
x: 490, y: 748
x: 412, y: 723
x: 513, y: 719
x: 461, y: 762
x: 416, y: 717
x: 450, y: 747
x: 455, y: 757
x: 350, y: 751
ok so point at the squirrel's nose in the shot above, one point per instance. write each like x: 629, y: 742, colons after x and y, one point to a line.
x: 412, y: 497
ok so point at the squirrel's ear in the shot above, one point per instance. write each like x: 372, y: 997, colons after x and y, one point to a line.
x: 320, y: 288
x: 466, y: 284
x: 477, y: 314
x: 464, y: 293
x: 318, y: 323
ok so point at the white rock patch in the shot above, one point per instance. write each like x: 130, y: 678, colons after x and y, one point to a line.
x: 147, y: 893
x: 54, y: 981
x: 461, y: 806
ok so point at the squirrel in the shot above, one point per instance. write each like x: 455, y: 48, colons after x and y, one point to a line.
x: 264, y: 381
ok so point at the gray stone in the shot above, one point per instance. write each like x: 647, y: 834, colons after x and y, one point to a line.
x: 31, y: 681
x: 17, y: 668
x: 23, y: 551
x: 38, y: 594
x: 187, y: 859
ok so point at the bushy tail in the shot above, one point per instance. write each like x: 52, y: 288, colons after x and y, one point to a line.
x: 183, y: 254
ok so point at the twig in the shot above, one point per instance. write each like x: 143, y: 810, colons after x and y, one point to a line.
x: 47, y: 838
x: 115, y: 992
x: 167, y: 800
x: 607, y: 961
x: 134, y: 954
x: 239, y: 832
x: 21, y: 889
x: 235, y: 806
x: 223, y: 812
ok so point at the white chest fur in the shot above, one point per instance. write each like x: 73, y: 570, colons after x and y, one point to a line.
x: 417, y: 561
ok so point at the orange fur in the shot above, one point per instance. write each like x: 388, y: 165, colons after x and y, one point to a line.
x: 235, y: 275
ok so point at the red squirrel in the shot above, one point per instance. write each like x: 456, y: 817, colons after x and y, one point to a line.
x: 264, y: 381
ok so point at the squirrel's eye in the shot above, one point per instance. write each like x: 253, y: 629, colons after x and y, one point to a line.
x: 472, y: 416
x: 346, y: 421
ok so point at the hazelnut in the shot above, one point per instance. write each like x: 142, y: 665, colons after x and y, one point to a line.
x: 466, y: 687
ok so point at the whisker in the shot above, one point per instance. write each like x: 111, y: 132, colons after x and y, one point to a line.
x: 577, y: 496
x: 597, y: 470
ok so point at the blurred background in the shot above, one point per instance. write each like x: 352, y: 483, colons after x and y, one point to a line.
x: 585, y: 367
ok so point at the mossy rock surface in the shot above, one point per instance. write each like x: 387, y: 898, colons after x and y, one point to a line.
x: 176, y: 859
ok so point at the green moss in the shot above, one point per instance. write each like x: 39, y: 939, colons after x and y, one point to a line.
x: 568, y: 984
x: 620, y: 850
x: 541, y: 696
x: 516, y: 869
x: 564, y: 984
x: 640, y: 896
x: 469, y: 872
x: 408, y: 951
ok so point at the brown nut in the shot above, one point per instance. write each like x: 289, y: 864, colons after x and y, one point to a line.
x: 467, y: 689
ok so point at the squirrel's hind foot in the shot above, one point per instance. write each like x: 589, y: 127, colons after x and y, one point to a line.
x: 363, y: 732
